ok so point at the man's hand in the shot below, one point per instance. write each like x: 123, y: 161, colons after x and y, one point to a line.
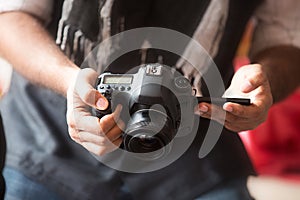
x: 99, y: 136
x: 45, y: 64
x: 250, y: 81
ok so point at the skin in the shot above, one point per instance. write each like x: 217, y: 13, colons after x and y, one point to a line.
x: 33, y: 53
x: 249, y: 82
x: 271, y: 80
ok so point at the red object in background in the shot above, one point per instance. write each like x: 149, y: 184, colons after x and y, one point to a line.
x: 274, y: 146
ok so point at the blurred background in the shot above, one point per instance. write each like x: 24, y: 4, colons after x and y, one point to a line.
x: 274, y: 146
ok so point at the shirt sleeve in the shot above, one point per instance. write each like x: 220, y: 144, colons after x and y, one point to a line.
x: 278, y: 23
x: 39, y: 8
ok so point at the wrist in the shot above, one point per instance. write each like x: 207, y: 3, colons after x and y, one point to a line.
x: 71, y: 74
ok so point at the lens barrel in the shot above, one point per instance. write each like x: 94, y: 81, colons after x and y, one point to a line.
x: 148, y: 131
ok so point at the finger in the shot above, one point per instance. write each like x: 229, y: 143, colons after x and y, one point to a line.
x: 98, y: 140
x: 74, y: 135
x: 93, y: 98
x: 241, y: 111
x: 109, y: 121
x: 101, y: 150
x: 116, y: 131
x: 263, y: 98
x: 238, y: 126
x: 230, y: 121
x: 86, y: 91
x: 117, y: 142
x: 88, y: 124
x: 96, y: 126
x: 92, y: 138
x: 83, y: 121
x: 112, y: 135
x: 242, y: 122
x: 233, y: 127
x: 254, y: 79
x: 213, y: 112
x: 96, y: 149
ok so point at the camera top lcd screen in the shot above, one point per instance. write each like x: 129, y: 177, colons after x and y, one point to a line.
x: 117, y: 79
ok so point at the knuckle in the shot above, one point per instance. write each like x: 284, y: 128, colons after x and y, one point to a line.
x: 98, y: 128
x: 74, y: 136
x: 89, y: 97
x: 239, y: 112
x: 233, y: 119
x: 102, y: 141
x: 102, y: 129
x: 261, y: 76
x: 88, y: 72
x: 99, y: 132
x: 70, y: 119
x: 121, y: 125
x: 101, y: 151
x: 72, y: 125
x: 106, y: 123
x: 205, y: 115
x: 258, y: 67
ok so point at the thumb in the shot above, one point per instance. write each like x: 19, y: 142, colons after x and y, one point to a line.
x: 94, y: 99
x: 254, y: 78
x: 88, y: 94
x: 101, y: 102
x: 247, y: 86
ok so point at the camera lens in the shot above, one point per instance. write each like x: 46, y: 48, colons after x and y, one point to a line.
x: 144, y: 143
x: 148, y: 131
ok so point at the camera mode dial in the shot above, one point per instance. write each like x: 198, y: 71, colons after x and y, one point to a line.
x: 181, y: 83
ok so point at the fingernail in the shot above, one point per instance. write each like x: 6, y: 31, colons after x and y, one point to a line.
x: 101, y: 103
x: 246, y: 86
x: 228, y: 108
x: 203, y: 109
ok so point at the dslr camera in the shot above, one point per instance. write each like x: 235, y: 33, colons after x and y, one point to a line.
x: 156, y: 104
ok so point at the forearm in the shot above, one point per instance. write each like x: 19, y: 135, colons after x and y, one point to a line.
x: 282, y: 66
x: 33, y: 53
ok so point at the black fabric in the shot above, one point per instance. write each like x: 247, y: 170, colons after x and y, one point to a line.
x: 79, y: 27
x: 2, y: 158
x: 55, y: 17
x: 154, y: 13
x: 85, y: 16
x: 189, y: 176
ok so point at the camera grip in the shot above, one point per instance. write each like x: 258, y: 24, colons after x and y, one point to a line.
x: 102, y: 113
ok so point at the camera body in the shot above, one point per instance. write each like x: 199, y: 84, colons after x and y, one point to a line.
x: 156, y: 102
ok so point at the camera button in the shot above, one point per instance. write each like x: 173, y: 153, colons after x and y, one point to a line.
x: 182, y: 83
x: 128, y: 88
x: 109, y: 91
x: 122, y: 88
